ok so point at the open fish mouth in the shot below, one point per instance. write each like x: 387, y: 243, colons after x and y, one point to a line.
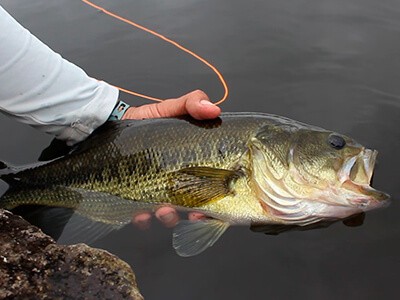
x: 356, y: 179
x: 363, y: 167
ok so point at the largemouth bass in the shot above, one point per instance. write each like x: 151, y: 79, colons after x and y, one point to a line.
x: 242, y: 168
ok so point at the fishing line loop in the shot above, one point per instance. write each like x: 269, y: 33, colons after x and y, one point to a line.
x: 179, y: 46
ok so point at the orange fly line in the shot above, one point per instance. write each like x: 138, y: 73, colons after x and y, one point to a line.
x: 115, y: 16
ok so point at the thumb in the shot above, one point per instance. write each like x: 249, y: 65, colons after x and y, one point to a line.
x: 195, y: 104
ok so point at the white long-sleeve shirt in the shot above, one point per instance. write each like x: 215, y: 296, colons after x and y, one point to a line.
x: 40, y: 88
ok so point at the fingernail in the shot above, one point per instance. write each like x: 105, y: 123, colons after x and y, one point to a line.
x: 168, y: 217
x: 206, y: 102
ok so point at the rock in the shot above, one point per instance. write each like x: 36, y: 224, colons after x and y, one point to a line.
x: 33, y: 266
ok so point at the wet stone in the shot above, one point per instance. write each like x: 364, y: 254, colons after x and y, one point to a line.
x: 33, y: 266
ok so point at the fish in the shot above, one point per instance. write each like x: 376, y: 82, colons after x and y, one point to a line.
x: 248, y: 169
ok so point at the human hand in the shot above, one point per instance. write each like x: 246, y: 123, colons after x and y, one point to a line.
x: 196, y: 104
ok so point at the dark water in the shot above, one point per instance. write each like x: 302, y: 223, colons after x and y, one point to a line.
x: 335, y: 64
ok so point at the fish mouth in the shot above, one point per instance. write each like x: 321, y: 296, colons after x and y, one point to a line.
x: 356, y: 179
x: 363, y: 168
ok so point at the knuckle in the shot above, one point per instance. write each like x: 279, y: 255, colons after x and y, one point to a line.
x: 157, y: 110
x: 199, y: 93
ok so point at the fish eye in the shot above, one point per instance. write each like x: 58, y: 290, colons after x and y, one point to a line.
x: 336, y: 141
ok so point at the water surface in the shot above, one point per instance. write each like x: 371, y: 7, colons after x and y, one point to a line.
x: 335, y: 64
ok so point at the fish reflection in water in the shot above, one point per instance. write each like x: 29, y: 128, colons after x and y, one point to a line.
x: 275, y: 229
x: 241, y: 169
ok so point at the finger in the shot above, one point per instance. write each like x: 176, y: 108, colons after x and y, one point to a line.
x: 195, y: 216
x: 195, y: 104
x: 142, y: 220
x: 199, y: 106
x: 168, y: 216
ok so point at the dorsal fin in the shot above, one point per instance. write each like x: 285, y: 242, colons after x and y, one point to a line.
x: 56, y: 149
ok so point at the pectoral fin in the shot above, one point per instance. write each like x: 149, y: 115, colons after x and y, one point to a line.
x: 192, y: 187
x: 193, y: 237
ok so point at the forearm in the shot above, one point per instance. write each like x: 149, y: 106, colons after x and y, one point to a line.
x: 40, y: 88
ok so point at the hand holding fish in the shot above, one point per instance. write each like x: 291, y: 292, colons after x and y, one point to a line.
x: 197, y: 105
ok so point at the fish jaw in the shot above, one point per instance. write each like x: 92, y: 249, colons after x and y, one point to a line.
x: 356, y: 177
x: 364, y: 196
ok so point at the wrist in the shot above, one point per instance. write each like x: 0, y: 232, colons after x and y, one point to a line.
x: 119, y: 110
